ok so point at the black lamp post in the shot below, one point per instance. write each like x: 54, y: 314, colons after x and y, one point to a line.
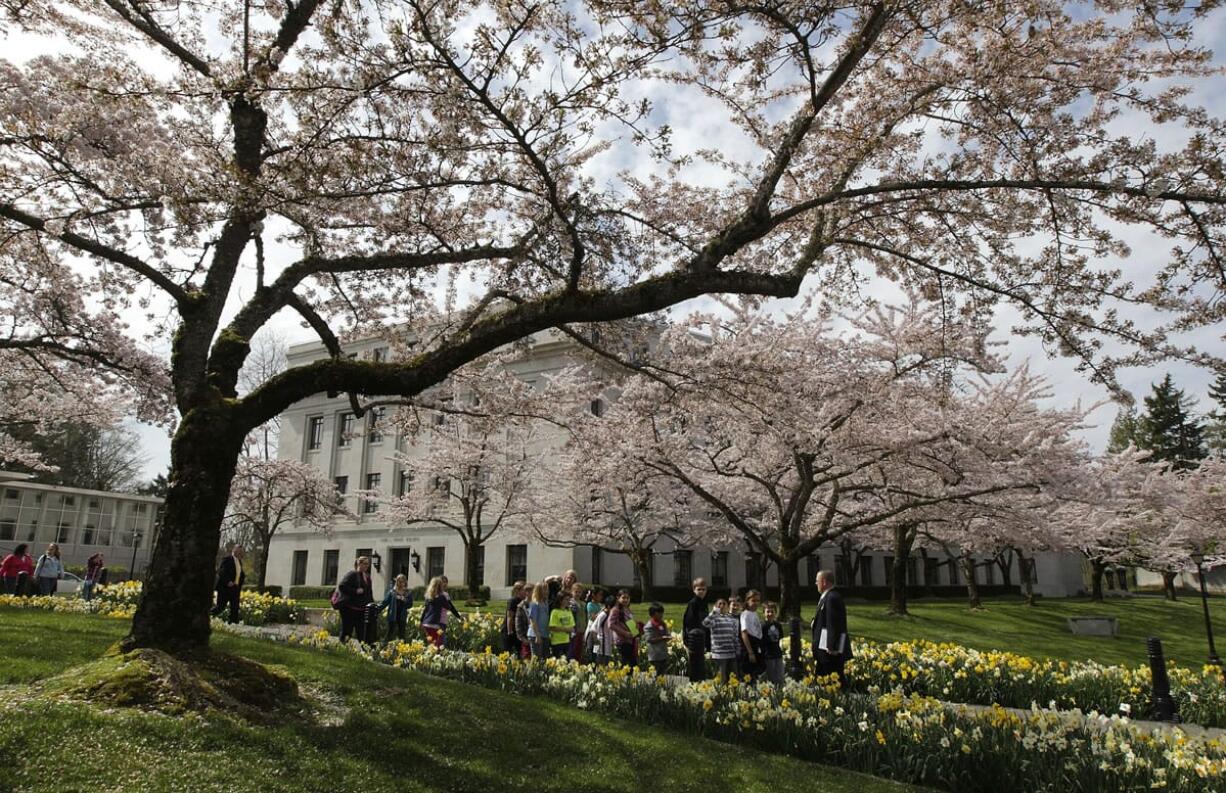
x: 136, y: 538
x: 1199, y: 557
x: 376, y: 561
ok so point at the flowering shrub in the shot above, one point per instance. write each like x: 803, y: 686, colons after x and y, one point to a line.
x: 256, y: 608
x: 119, y: 600
x: 959, y: 674
x: 69, y: 605
x: 477, y: 630
x: 125, y: 593
x: 904, y: 736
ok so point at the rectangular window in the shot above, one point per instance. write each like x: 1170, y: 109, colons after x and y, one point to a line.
x: 376, y: 424
x: 719, y: 569
x: 989, y: 573
x: 866, y: 571
x: 479, y: 572
x: 953, y: 572
x: 813, y: 564
x: 315, y: 432
x: 931, y: 570
x: 597, y: 565
x: 378, y: 354
x: 597, y: 407
x: 517, y: 563
x: 435, y: 561
x: 300, y: 568
x: 841, y: 570
x: 888, y: 563
x: 87, y: 535
x: 332, y: 563
x: 373, y: 482
x: 753, y: 570
x: 683, y: 568
x: 12, y: 494
x: 405, y: 483
x: 344, y: 430
x: 63, y: 533
x: 342, y: 487
x: 8, y: 530
x: 912, y: 571
x: 442, y: 484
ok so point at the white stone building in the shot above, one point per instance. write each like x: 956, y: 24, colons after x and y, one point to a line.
x: 122, y: 526
x: 323, y: 431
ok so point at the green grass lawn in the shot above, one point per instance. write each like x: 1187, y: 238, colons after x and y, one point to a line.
x: 1039, y: 631
x: 387, y: 729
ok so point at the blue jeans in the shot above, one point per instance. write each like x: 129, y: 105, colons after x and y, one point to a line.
x: 87, y: 590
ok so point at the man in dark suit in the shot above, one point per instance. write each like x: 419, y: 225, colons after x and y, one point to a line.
x: 229, y: 584
x: 831, y: 643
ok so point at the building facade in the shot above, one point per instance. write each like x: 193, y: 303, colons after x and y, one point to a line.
x: 324, y: 432
x: 121, y: 526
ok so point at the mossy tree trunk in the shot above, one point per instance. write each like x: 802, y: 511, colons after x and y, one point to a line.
x: 173, y: 614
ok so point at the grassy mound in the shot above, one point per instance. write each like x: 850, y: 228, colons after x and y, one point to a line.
x: 382, y: 729
x: 153, y: 680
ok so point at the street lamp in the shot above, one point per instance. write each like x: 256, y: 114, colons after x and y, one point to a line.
x: 1198, y: 556
x: 376, y: 561
x: 136, y: 538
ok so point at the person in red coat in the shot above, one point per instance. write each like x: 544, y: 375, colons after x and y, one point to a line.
x: 14, y: 565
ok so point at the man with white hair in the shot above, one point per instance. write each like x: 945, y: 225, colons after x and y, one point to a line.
x: 831, y: 643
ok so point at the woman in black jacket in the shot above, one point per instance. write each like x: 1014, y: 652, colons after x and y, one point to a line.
x: 355, y: 597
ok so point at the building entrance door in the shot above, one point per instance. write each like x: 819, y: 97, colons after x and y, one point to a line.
x: 400, y: 563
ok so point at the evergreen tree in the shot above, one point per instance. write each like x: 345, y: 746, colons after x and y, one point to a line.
x: 1168, y: 430
x: 1125, y: 430
x: 1215, y: 423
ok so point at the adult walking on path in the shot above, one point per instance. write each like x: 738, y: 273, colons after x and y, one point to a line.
x: 230, y: 578
x: 831, y: 642
x: 355, y: 598
x: 49, y: 570
x: 13, y: 566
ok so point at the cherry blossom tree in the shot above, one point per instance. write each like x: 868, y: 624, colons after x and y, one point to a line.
x: 1110, y: 512
x: 797, y: 436
x: 214, y: 166
x: 469, y: 467
x: 269, y: 494
x: 597, y: 494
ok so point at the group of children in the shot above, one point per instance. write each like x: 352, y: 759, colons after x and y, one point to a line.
x: 739, y: 641
x: 559, y: 618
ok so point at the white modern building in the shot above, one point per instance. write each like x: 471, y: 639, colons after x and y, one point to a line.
x: 323, y: 431
x: 122, y: 526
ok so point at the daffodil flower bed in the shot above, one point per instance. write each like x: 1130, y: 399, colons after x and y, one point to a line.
x: 954, y: 673
x: 120, y: 600
x: 907, y: 737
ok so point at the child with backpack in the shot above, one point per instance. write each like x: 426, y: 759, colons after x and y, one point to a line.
x: 657, y: 636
